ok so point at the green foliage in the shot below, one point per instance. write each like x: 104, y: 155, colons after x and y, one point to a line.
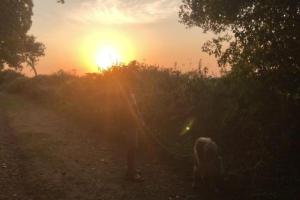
x: 262, y: 37
x: 16, y: 46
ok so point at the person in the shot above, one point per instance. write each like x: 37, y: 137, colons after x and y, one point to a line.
x: 132, y: 125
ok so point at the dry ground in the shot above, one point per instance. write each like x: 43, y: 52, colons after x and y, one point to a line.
x: 43, y: 156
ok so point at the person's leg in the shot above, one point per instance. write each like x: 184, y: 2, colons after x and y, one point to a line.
x: 132, y: 173
x: 195, y: 176
x: 131, y: 157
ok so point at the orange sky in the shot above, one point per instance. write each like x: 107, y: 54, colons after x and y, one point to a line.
x: 145, y: 30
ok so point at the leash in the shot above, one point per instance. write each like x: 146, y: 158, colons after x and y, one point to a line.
x: 145, y: 129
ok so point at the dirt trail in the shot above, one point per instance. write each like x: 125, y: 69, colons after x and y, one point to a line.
x: 47, y: 157
x: 11, y: 174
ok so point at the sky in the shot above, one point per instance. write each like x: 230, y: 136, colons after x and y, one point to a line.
x: 79, y: 34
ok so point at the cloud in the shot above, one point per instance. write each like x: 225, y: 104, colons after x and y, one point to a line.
x: 124, y: 11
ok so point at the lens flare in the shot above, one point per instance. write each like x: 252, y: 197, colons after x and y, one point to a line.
x: 188, y: 126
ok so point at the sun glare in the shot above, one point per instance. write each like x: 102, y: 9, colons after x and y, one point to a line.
x: 100, y: 51
x: 106, y: 57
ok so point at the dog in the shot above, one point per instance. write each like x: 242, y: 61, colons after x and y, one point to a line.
x: 208, y: 164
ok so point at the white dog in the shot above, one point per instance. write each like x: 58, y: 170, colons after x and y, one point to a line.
x: 208, y: 164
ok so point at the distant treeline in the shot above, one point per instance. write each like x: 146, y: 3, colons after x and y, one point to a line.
x: 256, y: 126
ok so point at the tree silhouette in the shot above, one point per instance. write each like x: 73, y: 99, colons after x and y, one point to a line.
x: 263, y: 36
x: 16, y: 46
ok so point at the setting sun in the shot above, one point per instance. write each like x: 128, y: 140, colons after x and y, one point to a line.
x: 107, y: 56
x: 99, y: 51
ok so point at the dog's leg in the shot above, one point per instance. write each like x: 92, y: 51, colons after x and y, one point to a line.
x: 195, y: 176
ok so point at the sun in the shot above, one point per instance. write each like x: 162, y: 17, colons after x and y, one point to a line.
x: 100, y: 50
x: 106, y: 57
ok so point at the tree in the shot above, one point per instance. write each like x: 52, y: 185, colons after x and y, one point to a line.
x: 263, y: 37
x: 16, y: 46
x: 33, y: 50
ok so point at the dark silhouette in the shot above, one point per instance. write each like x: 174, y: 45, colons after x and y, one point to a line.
x: 264, y: 43
x: 16, y: 46
x: 130, y: 120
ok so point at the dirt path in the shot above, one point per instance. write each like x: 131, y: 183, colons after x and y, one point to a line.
x: 47, y: 157
x: 11, y: 174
